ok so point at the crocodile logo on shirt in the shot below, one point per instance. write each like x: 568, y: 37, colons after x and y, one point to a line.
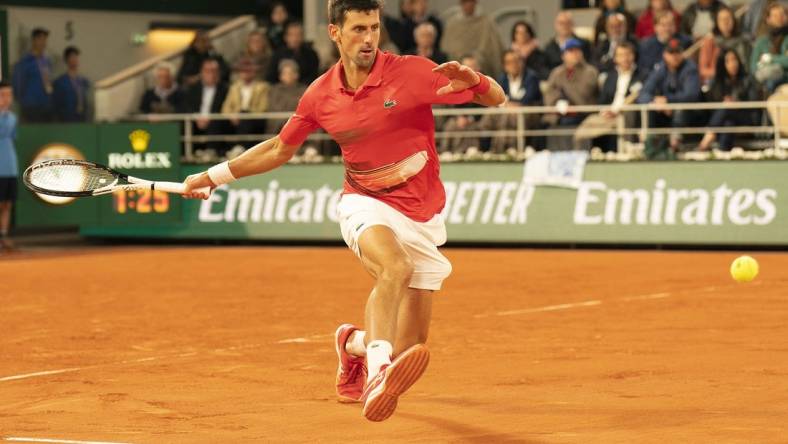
x: 389, y: 103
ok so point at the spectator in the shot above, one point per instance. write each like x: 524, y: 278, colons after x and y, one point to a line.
x: 473, y: 33
x: 419, y: 13
x: 70, y: 90
x: 460, y: 143
x: 258, y: 49
x: 574, y: 4
x: 32, y: 81
x: 620, y: 86
x: 615, y: 35
x: 395, y: 26
x: 425, y: 35
x: 572, y: 83
x: 674, y: 80
x: 276, y: 23
x: 753, y: 24
x: 207, y: 97
x: 296, y: 49
x: 9, y: 169
x: 246, y: 95
x: 200, y: 50
x: 698, y: 18
x: 608, y: 8
x: 525, y: 45
x: 165, y: 97
x: 413, y: 13
x: 284, y: 96
x: 564, y: 30
x: 652, y: 49
x: 645, y: 26
x: 769, y: 62
x: 521, y: 86
x: 730, y: 84
x: 726, y: 36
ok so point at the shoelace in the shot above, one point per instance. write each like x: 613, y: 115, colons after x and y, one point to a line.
x: 354, y: 371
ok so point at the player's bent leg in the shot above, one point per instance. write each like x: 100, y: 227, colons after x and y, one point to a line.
x: 413, y: 323
x: 392, y: 267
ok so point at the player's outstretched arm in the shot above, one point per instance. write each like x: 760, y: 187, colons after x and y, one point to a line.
x: 486, y: 90
x: 263, y: 157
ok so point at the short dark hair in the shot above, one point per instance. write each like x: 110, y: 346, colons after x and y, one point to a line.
x: 338, y: 8
x: 528, y: 27
x: 69, y: 51
x: 5, y: 84
x: 39, y: 32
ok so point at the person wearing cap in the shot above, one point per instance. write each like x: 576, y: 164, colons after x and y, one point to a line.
x: 564, y: 30
x: 246, y: 95
x: 651, y: 49
x: 674, y: 80
x: 32, y: 81
x: 572, y: 83
x: 70, y: 94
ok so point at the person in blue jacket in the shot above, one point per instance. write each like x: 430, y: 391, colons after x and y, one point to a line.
x: 70, y: 94
x: 32, y: 81
x: 674, y: 80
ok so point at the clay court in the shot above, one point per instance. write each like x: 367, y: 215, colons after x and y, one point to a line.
x: 234, y: 344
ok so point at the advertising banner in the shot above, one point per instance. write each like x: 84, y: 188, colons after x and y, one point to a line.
x: 650, y: 203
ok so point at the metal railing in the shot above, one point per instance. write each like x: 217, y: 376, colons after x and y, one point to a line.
x: 778, y: 110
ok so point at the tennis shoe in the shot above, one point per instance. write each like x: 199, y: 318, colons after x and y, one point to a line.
x: 381, y: 394
x: 351, y: 371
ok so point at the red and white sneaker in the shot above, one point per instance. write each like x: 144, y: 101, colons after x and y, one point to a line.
x: 351, y: 372
x: 380, y: 396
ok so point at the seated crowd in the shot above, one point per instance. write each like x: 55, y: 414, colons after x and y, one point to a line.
x: 708, y: 52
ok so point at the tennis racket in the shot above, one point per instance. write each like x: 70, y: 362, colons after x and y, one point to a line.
x: 80, y: 178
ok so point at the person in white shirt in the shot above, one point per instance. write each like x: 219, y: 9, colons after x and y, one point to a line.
x: 620, y: 86
x: 207, y: 97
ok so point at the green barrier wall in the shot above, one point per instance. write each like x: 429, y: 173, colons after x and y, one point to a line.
x: 672, y: 203
x: 156, y: 157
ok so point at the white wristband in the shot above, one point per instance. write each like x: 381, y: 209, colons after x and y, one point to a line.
x: 220, y: 174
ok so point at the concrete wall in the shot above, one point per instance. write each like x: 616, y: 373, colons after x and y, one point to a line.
x: 103, y: 37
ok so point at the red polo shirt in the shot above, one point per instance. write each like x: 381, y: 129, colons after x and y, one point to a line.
x: 385, y: 129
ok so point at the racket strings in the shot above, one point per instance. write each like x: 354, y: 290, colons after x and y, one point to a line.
x: 71, y: 178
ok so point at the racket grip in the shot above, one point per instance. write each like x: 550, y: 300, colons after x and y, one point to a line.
x: 178, y: 188
x: 170, y: 187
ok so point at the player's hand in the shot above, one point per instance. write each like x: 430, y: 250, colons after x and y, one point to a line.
x: 461, y: 76
x: 195, y: 182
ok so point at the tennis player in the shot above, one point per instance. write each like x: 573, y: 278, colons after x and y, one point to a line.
x: 377, y: 106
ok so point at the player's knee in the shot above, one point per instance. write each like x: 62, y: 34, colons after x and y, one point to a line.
x: 399, y: 270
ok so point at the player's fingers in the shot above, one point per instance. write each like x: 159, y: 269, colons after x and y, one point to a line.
x: 448, y: 89
x: 444, y: 66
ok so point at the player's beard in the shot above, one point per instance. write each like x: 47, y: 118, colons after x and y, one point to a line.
x: 364, y: 62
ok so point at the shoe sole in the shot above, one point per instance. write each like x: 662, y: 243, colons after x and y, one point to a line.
x: 340, y: 398
x: 400, y: 376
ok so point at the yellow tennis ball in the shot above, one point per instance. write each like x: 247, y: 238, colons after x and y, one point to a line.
x: 744, y: 269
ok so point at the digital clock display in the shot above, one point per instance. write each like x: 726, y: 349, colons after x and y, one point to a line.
x: 140, y: 201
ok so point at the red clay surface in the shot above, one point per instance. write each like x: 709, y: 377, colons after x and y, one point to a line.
x: 233, y: 344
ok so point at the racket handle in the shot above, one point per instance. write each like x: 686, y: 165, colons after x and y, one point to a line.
x: 178, y: 188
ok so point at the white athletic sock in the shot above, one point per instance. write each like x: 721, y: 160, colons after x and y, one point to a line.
x: 356, y: 346
x: 378, y: 354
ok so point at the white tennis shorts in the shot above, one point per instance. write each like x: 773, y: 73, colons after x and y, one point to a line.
x: 419, y: 239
